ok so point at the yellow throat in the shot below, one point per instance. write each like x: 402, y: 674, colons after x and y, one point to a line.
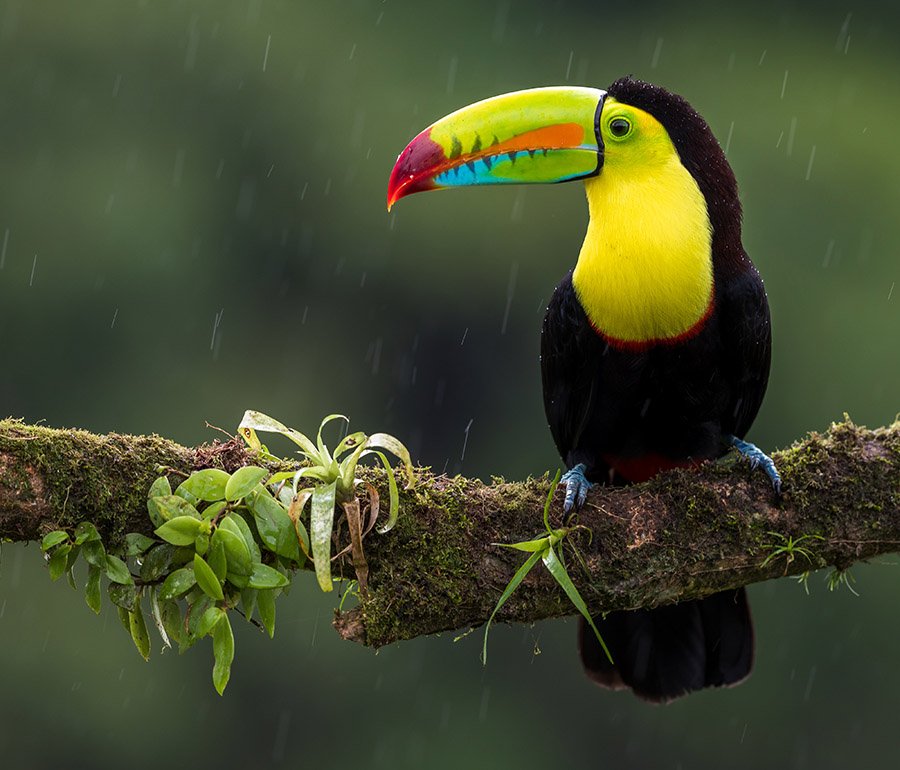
x: 644, y: 273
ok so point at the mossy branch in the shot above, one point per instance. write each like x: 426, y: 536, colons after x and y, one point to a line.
x: 682, y: 535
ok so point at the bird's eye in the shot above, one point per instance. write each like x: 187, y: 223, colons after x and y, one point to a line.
x: 619, y: 128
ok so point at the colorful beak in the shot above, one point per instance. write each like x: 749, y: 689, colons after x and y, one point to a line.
x: 538, y: 136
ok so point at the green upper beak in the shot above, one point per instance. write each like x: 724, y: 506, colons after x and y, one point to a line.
x: 536, y: 136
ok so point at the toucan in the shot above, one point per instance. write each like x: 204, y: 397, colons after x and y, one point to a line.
x: 655, y: 348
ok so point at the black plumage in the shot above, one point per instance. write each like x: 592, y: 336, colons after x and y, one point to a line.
x: 627, y: 412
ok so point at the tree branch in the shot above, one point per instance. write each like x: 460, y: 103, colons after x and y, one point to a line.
x: 682, y: 535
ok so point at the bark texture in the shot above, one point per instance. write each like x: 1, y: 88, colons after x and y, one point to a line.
x: 682, y: 535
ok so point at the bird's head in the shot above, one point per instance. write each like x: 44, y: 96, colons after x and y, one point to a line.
x: 560, y: 134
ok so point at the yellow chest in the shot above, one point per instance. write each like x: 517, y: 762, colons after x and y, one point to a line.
x: 645, y: 269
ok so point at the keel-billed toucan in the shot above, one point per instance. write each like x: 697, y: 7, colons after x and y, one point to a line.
x: 655, y: 348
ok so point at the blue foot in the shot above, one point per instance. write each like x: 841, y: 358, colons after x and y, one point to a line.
x: 758, y: 459
x: 577, y: 487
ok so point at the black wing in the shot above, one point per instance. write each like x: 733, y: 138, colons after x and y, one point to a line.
x: 747, y: 347
x: 570, y: 356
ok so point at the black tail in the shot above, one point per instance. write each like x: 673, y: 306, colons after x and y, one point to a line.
x: 667, y: 652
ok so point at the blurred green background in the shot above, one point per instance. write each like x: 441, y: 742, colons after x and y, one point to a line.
x: 192, y: 222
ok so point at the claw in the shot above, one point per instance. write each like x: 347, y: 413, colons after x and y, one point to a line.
x: 577, y: 487
x: 758, y: 459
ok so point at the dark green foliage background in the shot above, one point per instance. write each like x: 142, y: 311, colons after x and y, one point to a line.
x: 166, y: 162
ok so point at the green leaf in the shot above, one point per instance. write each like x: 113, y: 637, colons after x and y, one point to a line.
x: 237, y: 523
x: 209, y: 619
x: 155, y: 613
x: 156, y: 562
x: 248, y: 602
x: 275, y: 527
x: 321, y: 444
x: 562, y: 577
x: 85, y: 532
x: 395, y: 447
x: 321, y: 524
x: 216, y: 556
x: 53, y: 538
x: 208, y: 484
x: 237, y: 580
x: 94, y: 553
x: 117, y: 571
x: 265, y: 602
x: 201, y: 544
x: 124, y: 597
x: 243, y: 481
x: 507, y: 592
x: 214, y: 509
x: 223, y: 650
x: 207, y: 579
x: 159, y: 488
x: 394, y: 497
x: 178, y: 583
x: 139, y: 635
x: 170, y: 615
x: 182, y: 530
x: 58, y: 561
x: 92, y: 589
x: 259, y: 421
x: 266, y: 577
x: 174, y: 506
x: 529, y: 546
x: 136, y: 543
x: 237, y: 554
x: 195, y: 613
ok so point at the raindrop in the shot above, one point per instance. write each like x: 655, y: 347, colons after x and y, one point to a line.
x: 569, y: 65
x: 33, y: 267
x: 812, y: 157
x: 809, y: 683
x: 784, y: 84
x: 266, y: 54
x: 190, y: 55
x: 510, y: 292
x: 891, y: 292
x: 728, y: 140
x: 762, y: 57
x: 281, y: 735
x: 463, y: 340
x: 303, y: 191
x: 829, y: 250
x: 466, y: 439
x: 451, y: 73
x: 352, y: 52
x: 792, y: 131
x: 656, y: 52
x: 380, y: 17
x: 305, y: 313
x: 376, y: 355
x: 485, y: 701
x: 271, y: 169
x: 220, y: 169
x: 500, y: 21
x: 115, y: 316
x: 216, y: 322
x: 843, y: 38
x: 116, y: 85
